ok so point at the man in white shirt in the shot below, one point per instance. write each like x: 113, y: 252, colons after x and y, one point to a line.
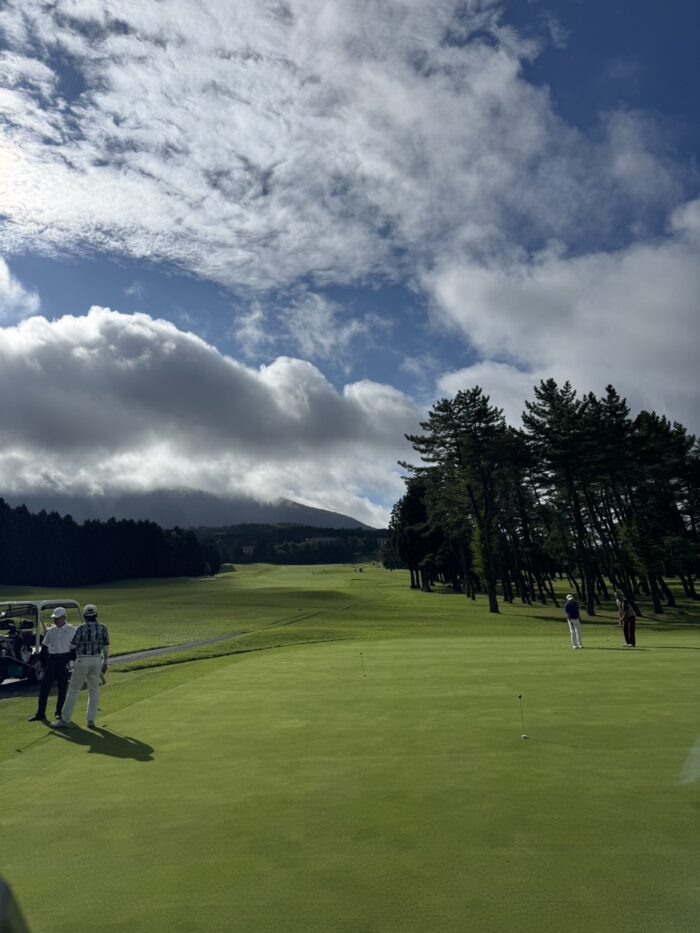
x: 57, y: 641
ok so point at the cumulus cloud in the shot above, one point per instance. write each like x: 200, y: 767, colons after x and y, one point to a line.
x: 628, y: 317
x: 506, y: 385
x: 16, y: 301
x: 111, y: 401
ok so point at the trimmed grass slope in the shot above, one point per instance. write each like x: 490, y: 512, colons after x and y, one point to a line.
x: 285, y: 789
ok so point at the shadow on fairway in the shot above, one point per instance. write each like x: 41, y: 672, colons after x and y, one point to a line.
x: 103, y: 742
x: 586, y: 620
x: 675, y: 647
x: 650, y: 623
x: 604, y: 647
x: 537, y: 741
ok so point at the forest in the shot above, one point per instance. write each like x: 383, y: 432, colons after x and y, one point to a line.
x: 582, y: 491
x: 47, y: 549
x: 294, y: 544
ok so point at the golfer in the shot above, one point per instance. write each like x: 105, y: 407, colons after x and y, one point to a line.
x: 626, y: 618
x: 91, y: 644
x: 574, y: 620
x: 56, y: 644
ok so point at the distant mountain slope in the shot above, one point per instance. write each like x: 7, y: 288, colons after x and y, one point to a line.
x: 184, y: 507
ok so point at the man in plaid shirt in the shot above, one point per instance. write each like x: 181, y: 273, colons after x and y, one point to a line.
x: 91, y: 645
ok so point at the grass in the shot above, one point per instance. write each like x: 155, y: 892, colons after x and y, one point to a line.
x: 281, y: 789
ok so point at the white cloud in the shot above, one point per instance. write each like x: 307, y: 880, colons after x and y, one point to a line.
x: 294, y: 145
x: 135, y: 290
x: 16, y: 301
x: 314, y: 324
x: 506, y: 385
x: 250, y: 330
x: 260, y: 144
x: 305, y: 323
x: 629, y: 318
x: 685, y: 221
x: 111, y: 401
x: 17, y: 70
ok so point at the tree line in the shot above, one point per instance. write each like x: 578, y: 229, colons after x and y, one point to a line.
x: 582, y: 491
x: 285, y: 543
x: 47, y: 549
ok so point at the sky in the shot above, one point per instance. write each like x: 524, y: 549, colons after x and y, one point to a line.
x: 245, y: 247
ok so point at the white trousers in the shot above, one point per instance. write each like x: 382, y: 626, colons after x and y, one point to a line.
x: 575, y: 629
x: 84, y: 669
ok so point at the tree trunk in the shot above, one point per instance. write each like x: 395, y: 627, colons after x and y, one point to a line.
x: 688, y: 586
x: 670, y: 598
x: 654, y: 591
x: 582, y: 550
x: 493, y: 599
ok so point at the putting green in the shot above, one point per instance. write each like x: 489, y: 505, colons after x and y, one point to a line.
x: 285, y: 790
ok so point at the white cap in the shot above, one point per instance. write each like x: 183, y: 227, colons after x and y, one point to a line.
x: 58, y: 613
x: 569, y: 597
x: 90, y: 611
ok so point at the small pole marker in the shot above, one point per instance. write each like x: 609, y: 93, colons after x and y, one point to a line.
x: 524, y: 734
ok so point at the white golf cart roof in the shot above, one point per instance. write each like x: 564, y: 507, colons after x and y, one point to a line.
x: 39, y: 604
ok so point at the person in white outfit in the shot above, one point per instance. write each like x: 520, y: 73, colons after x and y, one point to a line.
x: 91, y: 645
x: 574, y: 620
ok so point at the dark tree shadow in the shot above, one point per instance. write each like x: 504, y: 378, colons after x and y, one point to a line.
x: 644, y: 623
x: 101, y: 741
x: 585, y: 620
x: 675, y: 647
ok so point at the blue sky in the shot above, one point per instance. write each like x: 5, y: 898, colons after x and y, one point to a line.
x: 329, y: 214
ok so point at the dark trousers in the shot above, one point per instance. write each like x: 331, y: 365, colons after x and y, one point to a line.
x: 55, y: 672
x: 629, y: 627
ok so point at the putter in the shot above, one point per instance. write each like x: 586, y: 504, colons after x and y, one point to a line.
x: 524, y: 734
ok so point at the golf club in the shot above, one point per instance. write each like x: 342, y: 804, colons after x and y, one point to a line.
x: 524, y: 734
x: 362, y: 662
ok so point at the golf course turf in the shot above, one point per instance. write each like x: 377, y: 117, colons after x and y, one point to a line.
x: 357, y: 765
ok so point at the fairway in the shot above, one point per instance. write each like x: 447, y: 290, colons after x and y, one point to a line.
x: 370, y: 776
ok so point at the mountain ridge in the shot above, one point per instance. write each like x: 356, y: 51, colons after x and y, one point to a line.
x: 183, y: 507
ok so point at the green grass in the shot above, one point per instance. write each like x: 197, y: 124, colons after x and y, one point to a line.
x: 281, y: 789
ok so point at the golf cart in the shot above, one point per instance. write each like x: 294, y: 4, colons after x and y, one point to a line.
x: 23, y: 623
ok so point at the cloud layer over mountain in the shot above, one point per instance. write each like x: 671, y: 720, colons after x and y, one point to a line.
x: 110, y: 401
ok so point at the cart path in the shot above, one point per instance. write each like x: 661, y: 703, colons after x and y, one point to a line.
x: 170, y: 649
x: 11, y: 688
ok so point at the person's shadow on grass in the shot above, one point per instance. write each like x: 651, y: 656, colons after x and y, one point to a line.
x: 101, y: 741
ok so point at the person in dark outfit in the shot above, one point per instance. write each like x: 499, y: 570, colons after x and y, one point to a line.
x: 57, y: 644
x: 627, y: 619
